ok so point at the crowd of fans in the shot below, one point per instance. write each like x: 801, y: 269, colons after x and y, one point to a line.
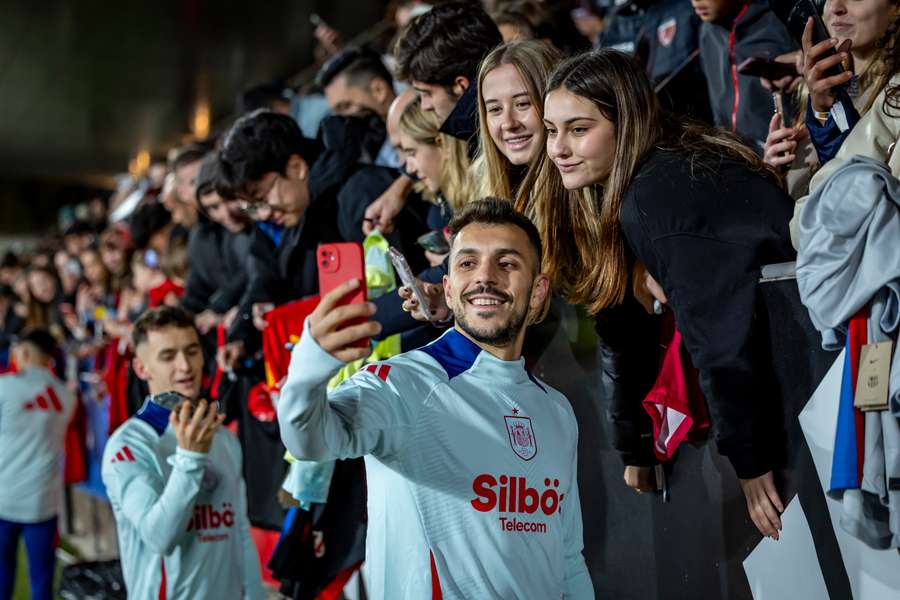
x: 660, y: 176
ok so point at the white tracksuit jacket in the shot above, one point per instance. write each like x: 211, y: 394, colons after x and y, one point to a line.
x: 35, y: 410
x: 181, y: 516
x: 470, y: 464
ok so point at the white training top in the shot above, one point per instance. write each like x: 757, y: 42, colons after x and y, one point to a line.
x: 181, y: 516
x: 35, y: 410
x: 470, y: 464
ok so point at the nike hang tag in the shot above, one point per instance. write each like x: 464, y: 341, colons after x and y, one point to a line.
x: 873, y: 377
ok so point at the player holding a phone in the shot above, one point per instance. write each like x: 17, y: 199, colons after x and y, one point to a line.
x: 174, y: 477
x: 470, y: 459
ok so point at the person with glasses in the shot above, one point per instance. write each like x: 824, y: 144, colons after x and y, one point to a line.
x: 266, y: 163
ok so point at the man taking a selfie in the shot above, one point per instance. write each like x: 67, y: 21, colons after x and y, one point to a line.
x: 470, y: 459
x: 173, y: 477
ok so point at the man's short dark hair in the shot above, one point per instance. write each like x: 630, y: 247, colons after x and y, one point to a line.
x: 160, y: 318
x: 147, y: 220
x: 190, y: 153
x: 447, y: 42
x: 10, y: 260
x: 41, y: 339
x: 496, y: 211
x: 264, y: 95
x: 358, y: 65
x: 259, y: 143
x: 78, y: 227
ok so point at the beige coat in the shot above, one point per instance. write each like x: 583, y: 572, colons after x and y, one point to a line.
x: 872, y: 136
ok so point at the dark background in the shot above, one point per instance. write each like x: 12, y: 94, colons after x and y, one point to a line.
x: 85, y: 85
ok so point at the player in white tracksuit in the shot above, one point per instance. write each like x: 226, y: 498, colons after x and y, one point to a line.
x: 174, y: 481
x: 35, y: 410
x: 470, y: 460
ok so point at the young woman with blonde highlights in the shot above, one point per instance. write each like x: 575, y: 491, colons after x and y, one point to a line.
x: 439, y: 161
x: 510, y: 86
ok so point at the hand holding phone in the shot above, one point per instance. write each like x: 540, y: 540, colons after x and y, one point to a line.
x: 339, y: 264
x: 823, y: 70
x: 436, y: 307
x: 781, y: 145
x: 338, y: 327
x: 195, y: 425
x: 409, y: 280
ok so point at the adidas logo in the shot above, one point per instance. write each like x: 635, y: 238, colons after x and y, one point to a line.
x: 123, y: 455
x: 380, y: 371
x: 46, y: 402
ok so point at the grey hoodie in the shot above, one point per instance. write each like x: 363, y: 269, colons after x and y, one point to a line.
x: 757, y: 32
x: 848, y: 260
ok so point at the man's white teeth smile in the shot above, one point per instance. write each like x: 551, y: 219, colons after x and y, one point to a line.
x: 485, y: 302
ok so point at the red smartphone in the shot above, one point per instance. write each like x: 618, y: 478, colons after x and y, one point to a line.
x: 339, y: 263
x: 757, y: 66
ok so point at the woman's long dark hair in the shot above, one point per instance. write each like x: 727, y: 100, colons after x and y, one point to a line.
x: 585, y: 248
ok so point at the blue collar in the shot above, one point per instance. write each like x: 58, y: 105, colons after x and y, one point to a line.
x: 454, y: 352
x: 154, y: 415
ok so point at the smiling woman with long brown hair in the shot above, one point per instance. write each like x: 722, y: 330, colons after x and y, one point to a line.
x: 511, y: 82
x: 625, y: 184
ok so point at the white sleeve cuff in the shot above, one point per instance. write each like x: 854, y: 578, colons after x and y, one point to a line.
x: 309, y: 362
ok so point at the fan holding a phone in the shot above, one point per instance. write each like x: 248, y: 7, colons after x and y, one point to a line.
x: 839, y: 51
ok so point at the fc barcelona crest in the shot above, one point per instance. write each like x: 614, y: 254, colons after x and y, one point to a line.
x: 521, y: 437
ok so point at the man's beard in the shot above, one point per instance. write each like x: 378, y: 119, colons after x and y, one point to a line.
x: 500, y: 335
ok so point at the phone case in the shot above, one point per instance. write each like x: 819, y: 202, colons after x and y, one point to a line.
x: 337, y: 264
x: 172, y: 400
x: 796, y: 23
x: 407, y: 278
x: 769, y: 69
x: 434, y: 241
x: 169, y: 400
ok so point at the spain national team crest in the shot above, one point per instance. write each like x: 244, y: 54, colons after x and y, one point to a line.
x: 521, y: 436
x: 665, y: 33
